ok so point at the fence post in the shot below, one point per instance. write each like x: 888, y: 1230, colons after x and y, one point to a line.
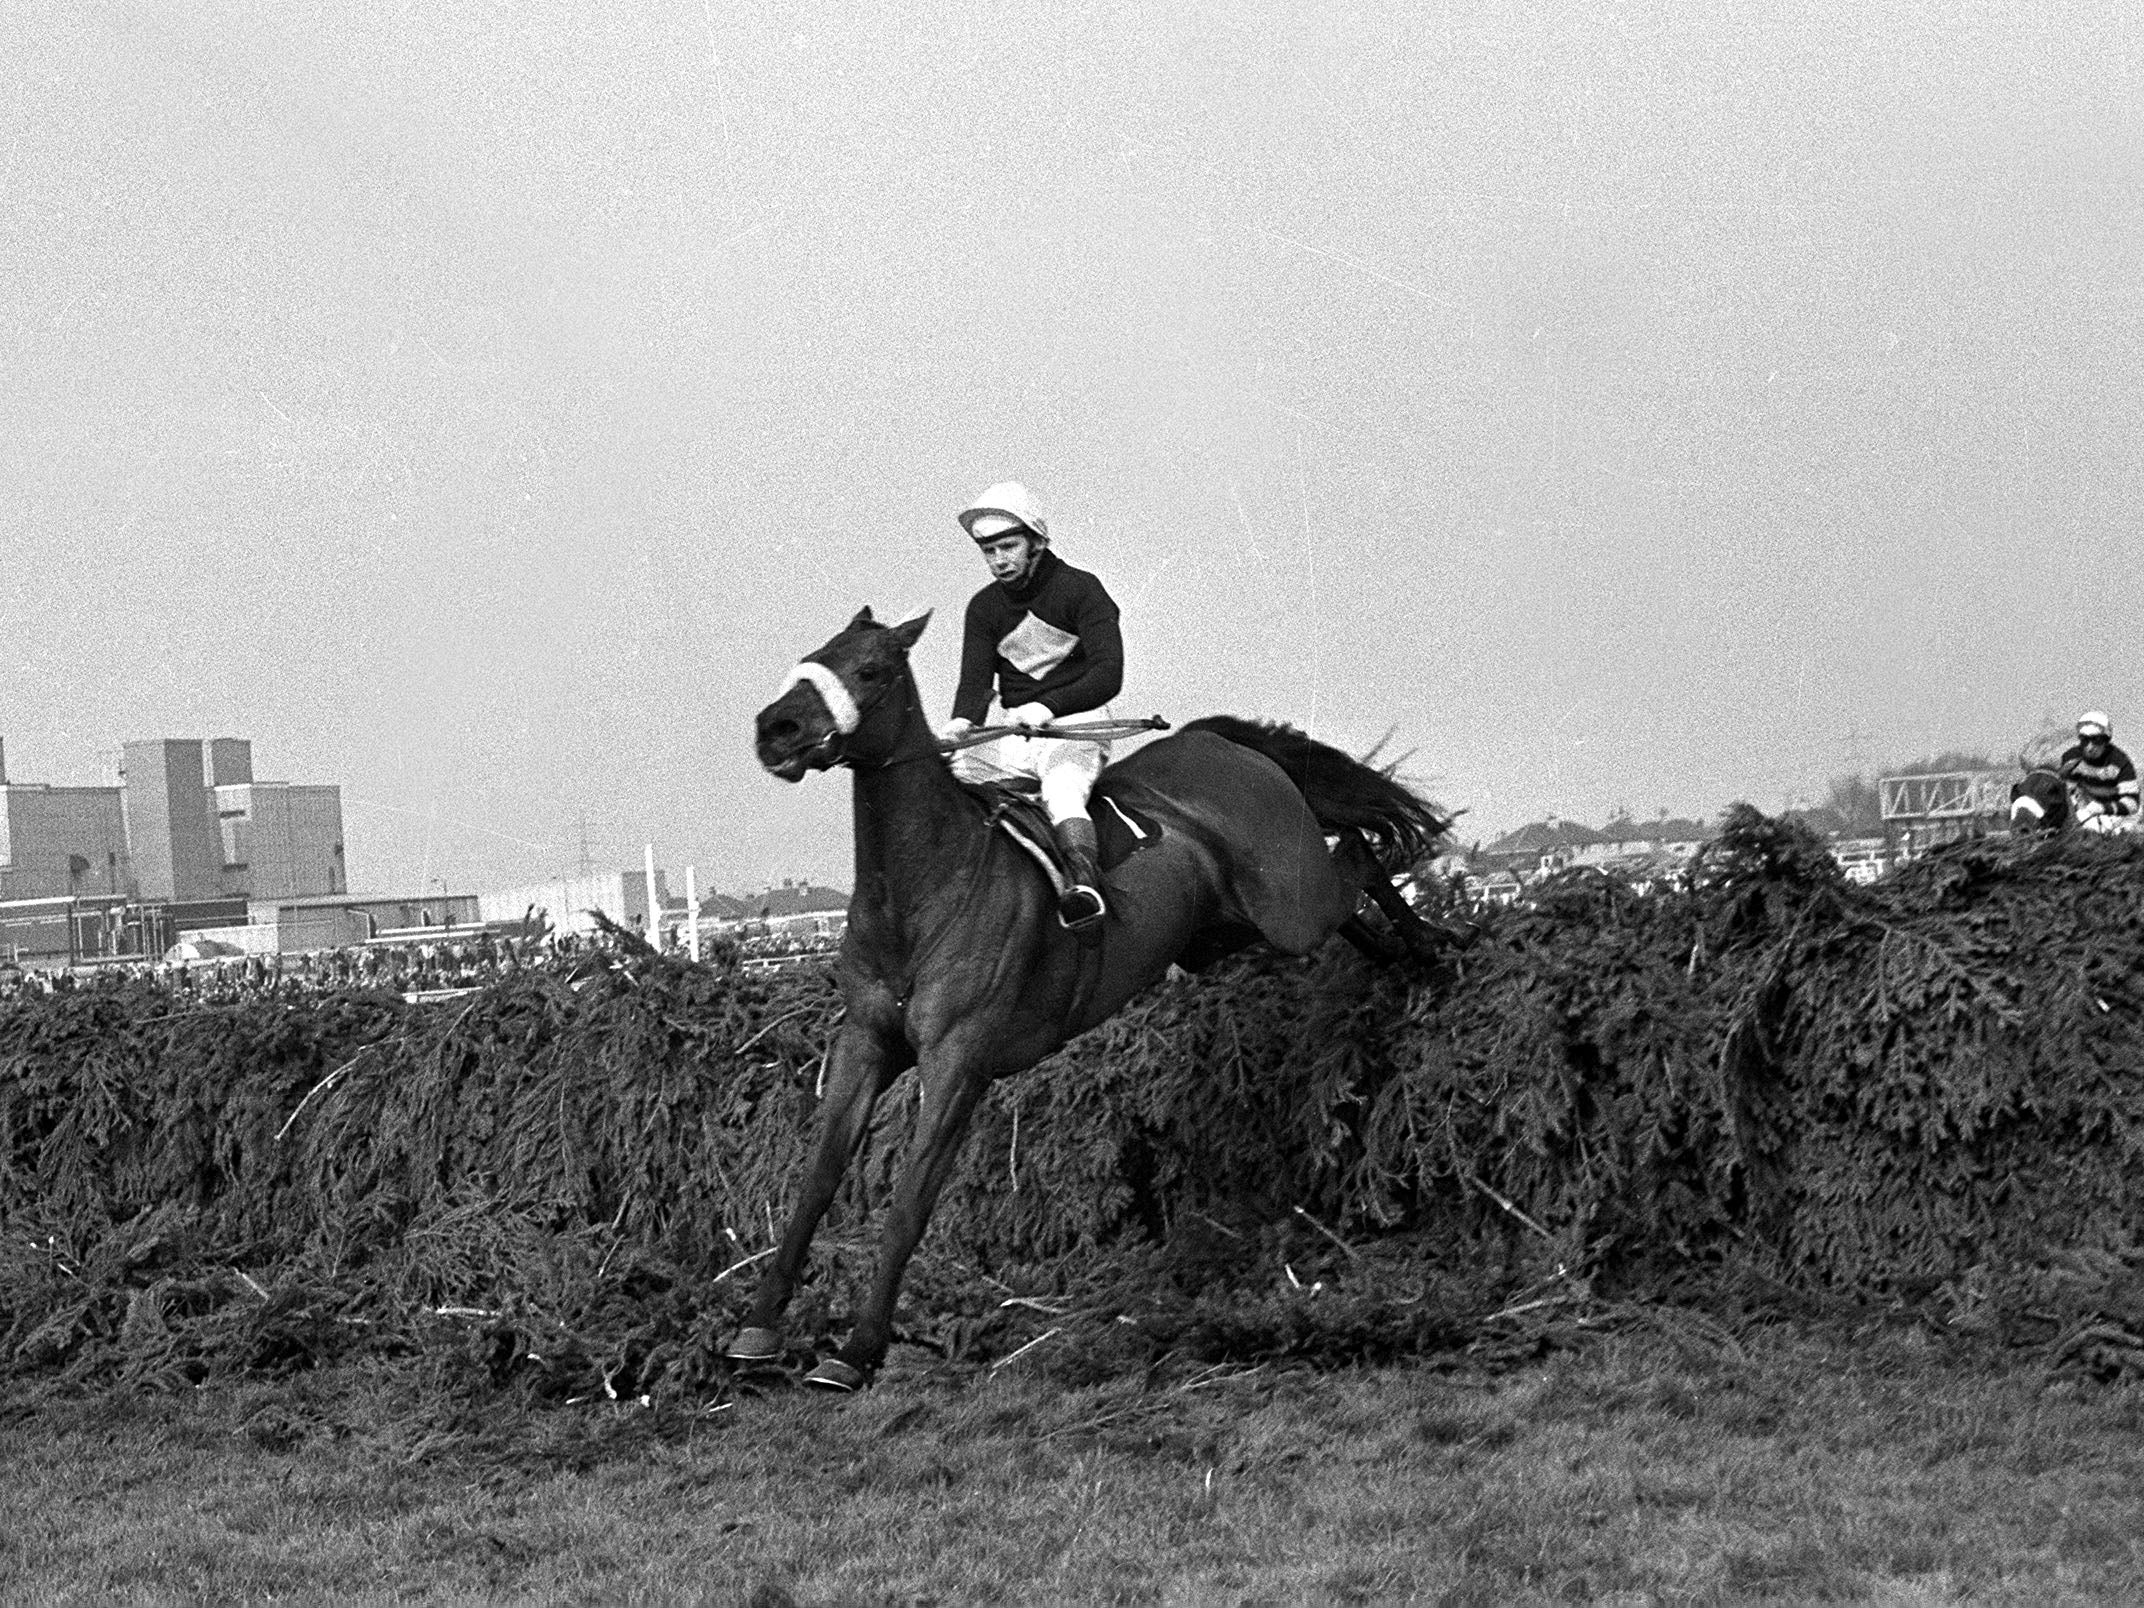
x: 655, y: 909
x: 692, y: 912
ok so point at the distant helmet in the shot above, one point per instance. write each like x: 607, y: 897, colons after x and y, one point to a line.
x: 1008, y: 505
x: 2094, y: 723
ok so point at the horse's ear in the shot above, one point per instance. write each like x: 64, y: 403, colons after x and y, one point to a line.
x: 863, y: 618
x: 911, y: 628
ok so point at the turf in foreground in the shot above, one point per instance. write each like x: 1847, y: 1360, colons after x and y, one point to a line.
x: 1793, y: 1466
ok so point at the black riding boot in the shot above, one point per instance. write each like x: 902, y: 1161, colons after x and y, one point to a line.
x: 1081, y: 907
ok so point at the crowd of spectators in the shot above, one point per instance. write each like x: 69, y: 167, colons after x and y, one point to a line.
x: 428, y: 966
x: 443, y: 964
x: 774, y: 947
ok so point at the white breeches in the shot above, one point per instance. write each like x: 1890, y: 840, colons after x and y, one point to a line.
x: 1065, y: 770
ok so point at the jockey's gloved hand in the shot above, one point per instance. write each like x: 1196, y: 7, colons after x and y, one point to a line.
x: 1030, y: 715
x: 2090, y: 809
x: 955, y: 728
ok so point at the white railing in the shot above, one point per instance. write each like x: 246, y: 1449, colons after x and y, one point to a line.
x: 1945, y: 795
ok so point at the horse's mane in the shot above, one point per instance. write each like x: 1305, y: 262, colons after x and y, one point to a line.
x: 1344, y: 793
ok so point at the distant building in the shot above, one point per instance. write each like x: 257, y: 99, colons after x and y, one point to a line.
x: 171, y: 818
x: 1549, y: 843
x: 184, y: 840
x: 200, y: 827
x: 360, y: 916
x: 620, y: 895
x: 794, y: 899
x: 1644, y: 853
x: 282, y: 840
x: 60, y: 842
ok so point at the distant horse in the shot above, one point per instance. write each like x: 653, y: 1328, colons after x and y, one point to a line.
x: 955, y: 963
x: 2040, y: 801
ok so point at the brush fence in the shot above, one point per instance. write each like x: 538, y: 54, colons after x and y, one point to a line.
x: 1931, y: 1079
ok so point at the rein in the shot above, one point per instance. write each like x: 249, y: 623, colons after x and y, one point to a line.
x: 1099, y: 731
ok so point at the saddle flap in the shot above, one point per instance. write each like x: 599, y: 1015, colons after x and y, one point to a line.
x: 1020, y: 816
x: 1122, y: 828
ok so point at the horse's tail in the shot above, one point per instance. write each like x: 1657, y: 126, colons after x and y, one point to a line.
x: 1343, y: 793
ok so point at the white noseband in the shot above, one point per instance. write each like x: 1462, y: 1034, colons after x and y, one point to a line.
x: 832, y: 690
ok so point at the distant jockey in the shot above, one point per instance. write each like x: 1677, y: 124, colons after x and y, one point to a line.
x: 2100, y: 775
x: 1046, y: 634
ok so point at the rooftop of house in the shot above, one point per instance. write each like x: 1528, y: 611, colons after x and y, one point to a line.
x: 1554, y: 835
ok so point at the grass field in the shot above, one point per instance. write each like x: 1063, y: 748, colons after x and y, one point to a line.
x: 1666, y: 1463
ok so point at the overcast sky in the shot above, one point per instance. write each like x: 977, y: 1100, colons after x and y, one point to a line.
x: 482, y: 405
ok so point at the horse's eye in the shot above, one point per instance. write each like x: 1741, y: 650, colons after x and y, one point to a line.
x: 869, y: 672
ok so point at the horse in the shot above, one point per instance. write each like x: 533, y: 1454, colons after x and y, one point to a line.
x: 955, y: 962
x: 2043, y: 801
x: 2040, y: 802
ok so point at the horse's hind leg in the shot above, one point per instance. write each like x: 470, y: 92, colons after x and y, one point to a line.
x: 1415, y: 935
x: 1358, y: 868
x: 952, y: 1086
x: 859, y: 1067
x: 1422, y: 935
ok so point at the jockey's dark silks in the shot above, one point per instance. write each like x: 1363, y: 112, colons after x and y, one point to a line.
x: 2109, y: 781
x: 1053, y: 640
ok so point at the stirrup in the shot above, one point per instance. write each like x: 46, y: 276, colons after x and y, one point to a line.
x: 1081, y: 908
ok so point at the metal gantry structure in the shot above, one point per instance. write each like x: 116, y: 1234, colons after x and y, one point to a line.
x: 1940, y: 806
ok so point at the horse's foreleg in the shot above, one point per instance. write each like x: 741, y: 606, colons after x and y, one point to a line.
x: 859, y: 1067
x: 951, y: 1088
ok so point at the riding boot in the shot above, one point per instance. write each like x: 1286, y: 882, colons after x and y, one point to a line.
x: 1081, y: 907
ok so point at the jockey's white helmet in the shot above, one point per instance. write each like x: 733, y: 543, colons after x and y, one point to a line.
x: 2094, y: 723
x: 1008, y: 505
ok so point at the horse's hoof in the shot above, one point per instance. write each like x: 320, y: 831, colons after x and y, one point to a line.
x: 755, y: 1345
x: 834, y: 1374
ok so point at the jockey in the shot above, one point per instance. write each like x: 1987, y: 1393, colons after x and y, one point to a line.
x: 2104, y: 780
x: 1047, y: 635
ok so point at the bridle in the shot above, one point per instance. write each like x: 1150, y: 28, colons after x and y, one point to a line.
x: 2025, y: 795
x: 849, y: 713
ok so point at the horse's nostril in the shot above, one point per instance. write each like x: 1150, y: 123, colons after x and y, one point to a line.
x: 776, y: 731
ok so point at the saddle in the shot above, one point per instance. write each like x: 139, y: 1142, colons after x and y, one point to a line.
x: 1015, y: 808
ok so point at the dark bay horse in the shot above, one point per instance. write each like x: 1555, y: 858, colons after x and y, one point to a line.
x: 2040, y: 801
x: 955, y: 963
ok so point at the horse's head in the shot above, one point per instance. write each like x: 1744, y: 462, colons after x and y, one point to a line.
x: 844, y: 703
x: 2039, y: 802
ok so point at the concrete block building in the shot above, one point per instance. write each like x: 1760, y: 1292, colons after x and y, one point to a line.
x: 281, y: 839
x: 201, y: 827
x: 189, y: 836
x: 59, y: 842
